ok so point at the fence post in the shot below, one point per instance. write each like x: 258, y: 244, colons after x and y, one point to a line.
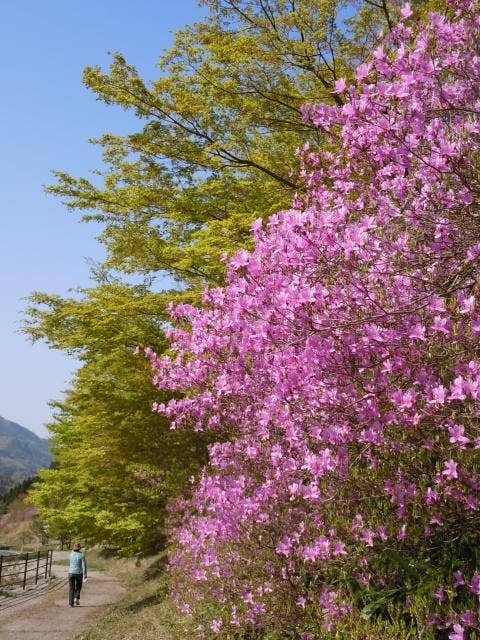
x: 38, y: 564
x: 51, y: 559
x: 25, y: 572
x: 46, y: 565
x: 1, y: 563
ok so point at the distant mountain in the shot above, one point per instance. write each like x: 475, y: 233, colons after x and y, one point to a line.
x: 21, y: 453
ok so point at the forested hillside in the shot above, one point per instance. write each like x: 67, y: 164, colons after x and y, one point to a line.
x: 22, y: 453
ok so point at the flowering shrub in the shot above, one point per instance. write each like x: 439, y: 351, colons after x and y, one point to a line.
x: 339, y: 368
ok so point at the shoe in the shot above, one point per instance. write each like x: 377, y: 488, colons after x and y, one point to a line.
x: 71, y: 605
x: 77, y: 602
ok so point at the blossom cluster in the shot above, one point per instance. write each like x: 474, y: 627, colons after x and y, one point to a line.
x: 339, y: 366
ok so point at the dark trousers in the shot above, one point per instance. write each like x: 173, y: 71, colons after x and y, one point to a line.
x: 75, y: 581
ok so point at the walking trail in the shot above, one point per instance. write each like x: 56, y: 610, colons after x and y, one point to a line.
x: 46, y: 615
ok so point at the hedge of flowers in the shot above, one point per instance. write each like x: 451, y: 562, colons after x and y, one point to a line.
x: 339, y: 370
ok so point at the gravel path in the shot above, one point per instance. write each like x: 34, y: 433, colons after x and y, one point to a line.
x: 45, y: 613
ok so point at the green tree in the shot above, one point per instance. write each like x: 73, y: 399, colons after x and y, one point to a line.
x: 7, y: 498
x: 116, y: 462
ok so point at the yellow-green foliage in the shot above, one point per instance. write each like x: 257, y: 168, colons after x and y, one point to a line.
x: 116, y: 462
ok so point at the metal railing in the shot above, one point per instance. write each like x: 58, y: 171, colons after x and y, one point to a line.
x: 25, y: 568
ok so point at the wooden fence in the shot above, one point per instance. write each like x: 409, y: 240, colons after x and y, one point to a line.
x: 18, y: 570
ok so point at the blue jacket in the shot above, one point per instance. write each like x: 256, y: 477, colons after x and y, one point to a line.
x: 77, y: 563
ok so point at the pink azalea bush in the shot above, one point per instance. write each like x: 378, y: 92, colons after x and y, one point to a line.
x: 339, y: 369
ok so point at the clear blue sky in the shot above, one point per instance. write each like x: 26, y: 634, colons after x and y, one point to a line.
x: 46, y: 118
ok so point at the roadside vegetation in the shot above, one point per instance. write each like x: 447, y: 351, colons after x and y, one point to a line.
x: 174, y: 198
x: 311, y: 460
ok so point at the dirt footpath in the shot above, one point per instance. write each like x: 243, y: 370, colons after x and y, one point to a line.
x: 47, y: 615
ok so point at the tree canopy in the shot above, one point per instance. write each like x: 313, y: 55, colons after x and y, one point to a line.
x: 116, y: 462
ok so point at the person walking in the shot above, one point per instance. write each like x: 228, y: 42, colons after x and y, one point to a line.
x: 77, y: 574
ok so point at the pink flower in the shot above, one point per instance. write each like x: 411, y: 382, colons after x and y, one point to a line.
x: 475, y: 325
x: 340, y: 85
x: 216, y: 625
x: 458, y: 579
x: 382, y: 533
x: 438, y: 394
x: 473, y: 252
x: 240, y: 259
x: 284, y: 547
x: 339, y: 548
x: 457, y: 633
x: 256, y: 224
x: 418, y: 332
x: 366, y: 536
x: 450, y: 470
x: 467, y: 618
x: 456, y: 389
x: 475, y: 584
x: 363, y: 70
x: 467, y: 305
x: 406, y: 11
x: 440, y: 594
x: 457, y: 434
x: 442, y: 325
